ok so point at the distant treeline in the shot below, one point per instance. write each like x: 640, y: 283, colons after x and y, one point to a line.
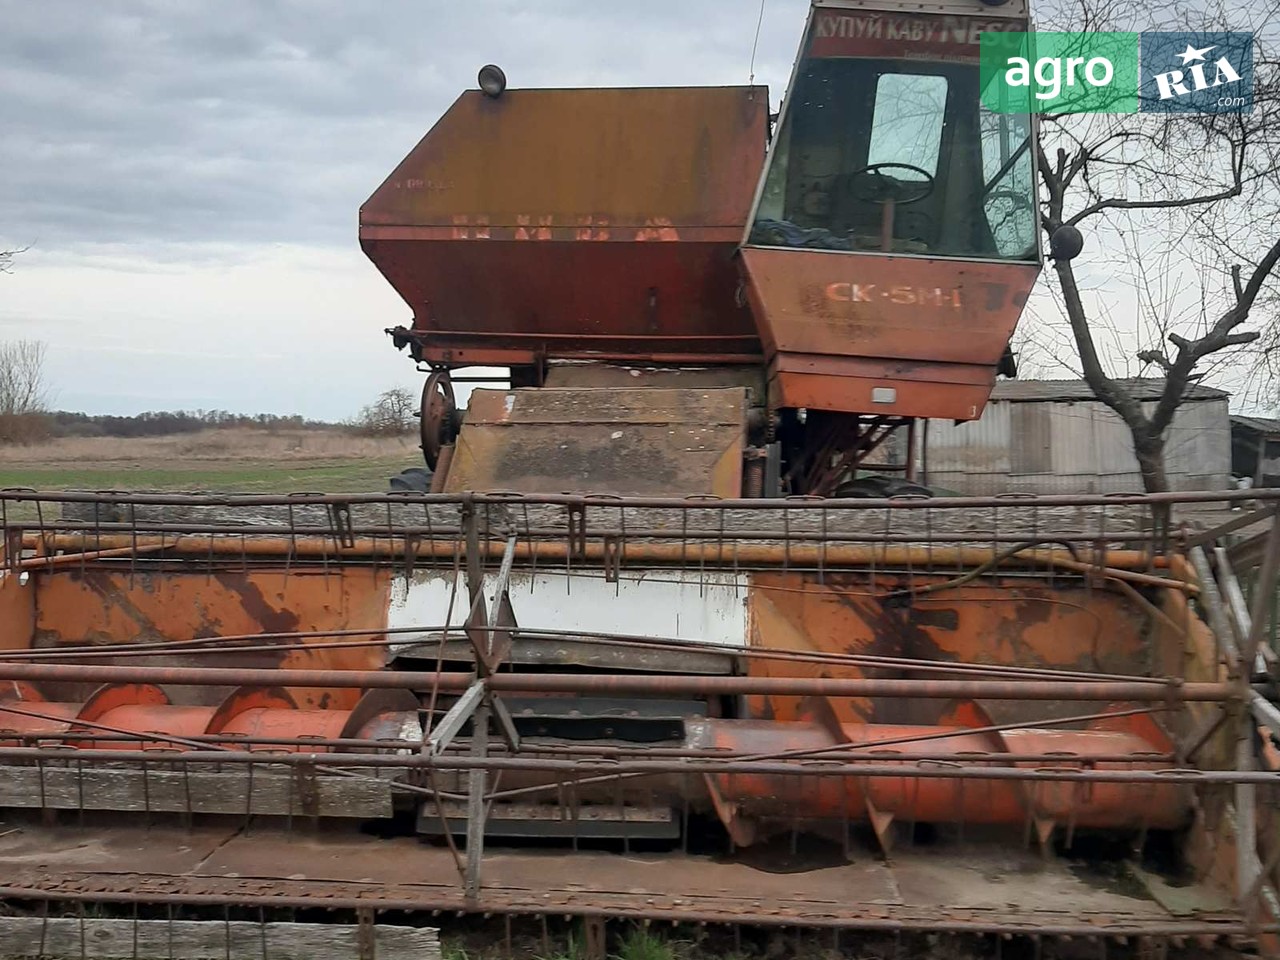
x: 63, y: 423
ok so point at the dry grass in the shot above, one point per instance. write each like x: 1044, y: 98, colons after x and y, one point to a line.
x: 223, y: 446
x: 224, y: 461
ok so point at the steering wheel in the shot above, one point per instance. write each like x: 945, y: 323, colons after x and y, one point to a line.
x: 887, y: 188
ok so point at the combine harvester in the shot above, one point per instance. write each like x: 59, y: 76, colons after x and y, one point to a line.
x: 647, y: 649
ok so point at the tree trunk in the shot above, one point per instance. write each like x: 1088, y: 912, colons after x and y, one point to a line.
x: 1149, y: 447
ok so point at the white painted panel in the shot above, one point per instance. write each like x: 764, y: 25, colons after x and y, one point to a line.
x: 682, y: 605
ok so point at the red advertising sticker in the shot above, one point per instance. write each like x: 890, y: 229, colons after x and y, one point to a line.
x: 842, y: 33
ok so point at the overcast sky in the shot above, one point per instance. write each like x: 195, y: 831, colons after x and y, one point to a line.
x: 188, y: 173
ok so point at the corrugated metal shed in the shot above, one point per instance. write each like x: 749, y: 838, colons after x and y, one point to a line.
x: 1140, y: 388
x: 1268, y: 426
x: 1053, y: 436
x: 1255, y: 449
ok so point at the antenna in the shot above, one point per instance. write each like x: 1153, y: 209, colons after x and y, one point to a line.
x: 751, y: 80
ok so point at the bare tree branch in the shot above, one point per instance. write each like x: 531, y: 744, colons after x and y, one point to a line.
x: 390, y: 415
x: 1117, y: 203
x: 1193, y: 202
x: 24, y: 392
x: 1157, y: 357
x: 6, y: 258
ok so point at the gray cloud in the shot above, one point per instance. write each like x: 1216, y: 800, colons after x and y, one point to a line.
x: 190, y: 171
x: 243, y: 122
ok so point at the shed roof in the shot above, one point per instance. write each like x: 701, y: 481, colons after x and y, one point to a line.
x: 1260, y: 424
x: 1140, y: 388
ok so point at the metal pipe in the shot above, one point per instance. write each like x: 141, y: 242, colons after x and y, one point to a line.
x: 1150, y: 692
x: 1217, y: 614
x: 660, y: 554
x: 1246, y: 807
x: 980, y: 768
x: 601, y: 752
x: 910, y: 472
x: 125, y: 651
x: 438, y: 531
x: 675, y: 503
x: 209, y: 645
x: 1264, y: 590
x: 67, y: 559
x: 1248, y: 865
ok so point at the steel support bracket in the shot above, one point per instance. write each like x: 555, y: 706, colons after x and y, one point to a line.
x: 366, y: 935
x: 476, y: 807
x: 455, y: 719
x: 577, y: 530
x: 340, y: 518
x: 490, y: 631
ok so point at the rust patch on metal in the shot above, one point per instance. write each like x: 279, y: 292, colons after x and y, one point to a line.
x: 986, y: 889
x: 17, y: 613
x: 99, y: 607
x: 1004, y: 623
x: 627, y: 442
x: 835, y: 327
x: 613, y: 236
x: 272, y: 619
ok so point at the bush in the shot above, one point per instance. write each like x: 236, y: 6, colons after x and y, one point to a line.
x: 392, y: 414
x: 24, y: 428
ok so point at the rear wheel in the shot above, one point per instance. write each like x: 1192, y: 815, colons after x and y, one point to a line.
x: 873, y: 488
x: 412, y: 480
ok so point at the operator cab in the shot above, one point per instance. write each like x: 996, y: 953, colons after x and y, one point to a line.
x: 894, y: 237
x: 897, y: 156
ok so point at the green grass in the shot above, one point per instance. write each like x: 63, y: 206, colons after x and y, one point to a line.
x: 636, y: 943
x: 639, y: 943
x: 335, y: 476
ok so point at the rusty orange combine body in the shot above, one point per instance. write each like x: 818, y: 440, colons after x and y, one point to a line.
x: 645, y: 648
x: 784, y: 299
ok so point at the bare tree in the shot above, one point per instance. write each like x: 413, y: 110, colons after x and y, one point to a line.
x: 390, y: 415
x: 1174, y: 197
x: 24, y: 391
x: 6, y: 258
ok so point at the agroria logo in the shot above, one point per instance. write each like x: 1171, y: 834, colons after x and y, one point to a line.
x: 1197, y: 72
x: 1186, y: 72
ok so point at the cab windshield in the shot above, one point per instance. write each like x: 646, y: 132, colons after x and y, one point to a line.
x: 898, y: 155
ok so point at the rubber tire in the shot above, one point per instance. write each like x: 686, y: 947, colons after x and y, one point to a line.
x: 412, y: 480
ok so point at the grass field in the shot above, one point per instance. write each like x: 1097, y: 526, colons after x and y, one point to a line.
x: 221, y: 461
